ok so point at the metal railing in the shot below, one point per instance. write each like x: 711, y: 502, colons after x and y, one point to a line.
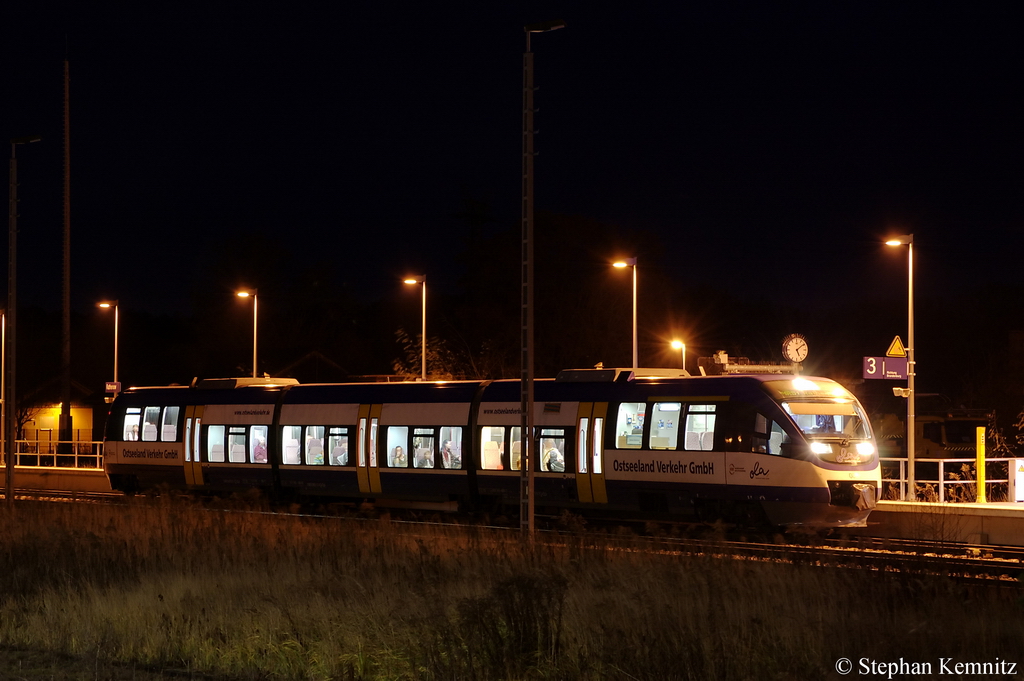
x: 945, y: 480
x: 77, y: 454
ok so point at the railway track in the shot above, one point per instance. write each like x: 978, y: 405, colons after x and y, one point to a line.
x: 960, y: 561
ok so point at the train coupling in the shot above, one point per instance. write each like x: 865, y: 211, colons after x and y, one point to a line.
x: 859, y: 495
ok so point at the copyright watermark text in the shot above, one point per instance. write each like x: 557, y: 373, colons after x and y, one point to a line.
x: 942, y: 666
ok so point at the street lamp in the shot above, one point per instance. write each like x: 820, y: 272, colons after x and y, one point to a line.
x: 245, y: 293
x: 631, y: 262
x: 106, y: 305
x: 421, y: 279
x: 10, y: 413
x: 3, y: 378
x: 680, y: 345
x: 908, y: 241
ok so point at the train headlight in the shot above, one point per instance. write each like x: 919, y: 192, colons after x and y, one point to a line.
x: 820, y: 448
x: 865, y: 448
x: 803, y: 384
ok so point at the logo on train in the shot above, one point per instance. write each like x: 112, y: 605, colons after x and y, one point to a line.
x: 758, y: 472
x: 846, y: 456
x: 755, y: 472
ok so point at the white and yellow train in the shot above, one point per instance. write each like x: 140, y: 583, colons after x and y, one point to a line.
x: 786, y: 450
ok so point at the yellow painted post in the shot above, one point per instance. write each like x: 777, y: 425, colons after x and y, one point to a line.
x: 980, y: 476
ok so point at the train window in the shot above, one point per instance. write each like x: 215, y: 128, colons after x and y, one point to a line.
x: 258, y: 444
x: 629, y: 426
x: 829, y: 418
x: 959, y: 432
x: 398, y: 446
x: 552, y: 444
x: 361, y: 442
x: 700, y: 427
x: 759, y: 440
x: 188, y: 439
x: 169, y: 427
x: 131, y: 423
x: 197, y: 434
x: 423, y: 447
x: 337, y: 444
x: 373, y: 442
x: 150, y: 419
x: 315, y: 445
x: 492, y: 447
x: 237, y: 444
x: 664, y: 425
x: 516, y: 448
x: 581, y: 445
x: 776, y: 439
x: 215, y: 444
x: 451, y: 447
x: 596, y: 443
x: 290, y: 436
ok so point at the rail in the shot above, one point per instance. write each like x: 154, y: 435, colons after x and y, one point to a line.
x: 942, y: 480
x: 77, y: 454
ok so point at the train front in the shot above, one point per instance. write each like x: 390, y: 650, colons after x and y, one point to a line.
x: 835, y: 438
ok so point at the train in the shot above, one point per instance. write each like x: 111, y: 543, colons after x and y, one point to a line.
x: 786, y: 450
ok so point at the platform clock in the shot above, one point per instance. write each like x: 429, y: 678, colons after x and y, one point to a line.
x: 794, y: 348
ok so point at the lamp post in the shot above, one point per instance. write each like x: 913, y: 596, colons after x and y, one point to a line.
x: 246, y: 293
x: 680, y: 345
x: 10, y: 411
x: 631, y: 262
x: 3, y: 380
x: 908, y: 241
x: 421, y: 279
x: 526, y: 487
x: 106, y: 305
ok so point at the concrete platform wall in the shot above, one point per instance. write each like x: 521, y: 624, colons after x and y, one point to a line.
x: 999, y: 524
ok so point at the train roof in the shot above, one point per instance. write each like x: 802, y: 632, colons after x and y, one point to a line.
x: 573, y: 384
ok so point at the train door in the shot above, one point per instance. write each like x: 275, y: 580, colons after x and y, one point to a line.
x: 590, y: 423
x: 368, y: 469
x: 193, y: 428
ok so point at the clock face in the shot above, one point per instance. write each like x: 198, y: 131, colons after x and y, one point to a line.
x: 795, y: 349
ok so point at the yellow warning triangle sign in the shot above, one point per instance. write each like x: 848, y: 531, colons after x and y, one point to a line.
x: 896, y: 348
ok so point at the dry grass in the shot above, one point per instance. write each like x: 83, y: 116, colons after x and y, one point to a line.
x: 168, y: 586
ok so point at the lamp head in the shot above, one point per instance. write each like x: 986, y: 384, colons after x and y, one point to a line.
x: 106, y: 304
x: 415, y: 279
x: 245, y: 293
x: 626, y: 262
x: 901, y: 240
x: 544, y: 26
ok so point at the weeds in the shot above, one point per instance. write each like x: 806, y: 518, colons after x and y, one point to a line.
x: 252, y: 596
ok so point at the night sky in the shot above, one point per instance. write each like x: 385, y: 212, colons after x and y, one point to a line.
x: 764, y: 152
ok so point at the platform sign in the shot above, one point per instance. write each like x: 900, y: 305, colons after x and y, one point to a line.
x: 1016, y: 479
x: 892, y: 368
x: 113, y: 386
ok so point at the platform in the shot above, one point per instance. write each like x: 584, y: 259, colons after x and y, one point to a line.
x: 997, y: 524
x: 65, y: 479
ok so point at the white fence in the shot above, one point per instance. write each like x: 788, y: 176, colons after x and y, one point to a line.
x: 76, y: 454
x: 947, y: 479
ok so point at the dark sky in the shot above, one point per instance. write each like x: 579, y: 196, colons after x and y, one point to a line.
x: 769, y: 149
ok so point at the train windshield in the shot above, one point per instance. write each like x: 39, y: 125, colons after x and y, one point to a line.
x: 829, y: 419
x: 821, y: 408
